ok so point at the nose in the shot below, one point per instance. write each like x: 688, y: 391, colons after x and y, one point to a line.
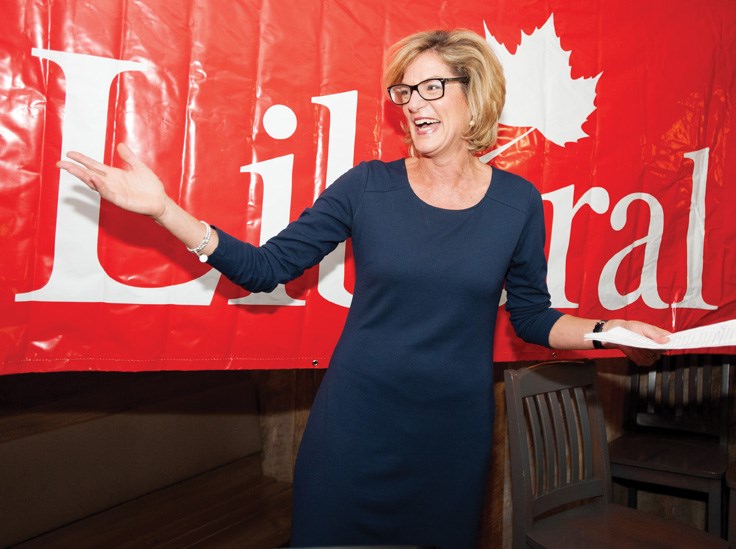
x: 416, y: 101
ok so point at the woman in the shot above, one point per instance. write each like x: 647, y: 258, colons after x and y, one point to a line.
x: 398, y: 441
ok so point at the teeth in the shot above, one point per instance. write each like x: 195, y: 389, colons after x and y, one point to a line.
x: 426, y: 121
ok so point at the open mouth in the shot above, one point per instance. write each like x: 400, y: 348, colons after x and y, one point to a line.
x: 425, y: 123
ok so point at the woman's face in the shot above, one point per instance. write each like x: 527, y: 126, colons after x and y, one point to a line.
x: 436, y: 127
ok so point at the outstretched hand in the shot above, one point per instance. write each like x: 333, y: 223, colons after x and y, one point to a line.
x: 642, y: 357
x: 135, y: 188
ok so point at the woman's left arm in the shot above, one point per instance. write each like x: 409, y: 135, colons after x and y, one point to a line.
x: 568, y: 332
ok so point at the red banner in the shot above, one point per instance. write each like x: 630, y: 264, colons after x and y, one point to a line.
x: 619, y: 112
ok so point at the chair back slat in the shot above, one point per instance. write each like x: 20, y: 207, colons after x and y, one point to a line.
x: 678, y: 390
x: 554, y: 420
x: 570, y: 415
x: 705, y: 400
x: 560, y: 439
x: 651, y: 389
x: 547, y: 435
x: 696, y: 365
x: 662, y: 401
x: 693, y: 381
x: 688, y: 393
x: 537, y: 446
x: 586, y: 426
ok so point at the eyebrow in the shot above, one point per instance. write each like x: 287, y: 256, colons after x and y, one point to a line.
x: 428, y: 78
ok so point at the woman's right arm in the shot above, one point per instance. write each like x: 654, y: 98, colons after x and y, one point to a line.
x: 300, y: 245
x: 137, y: 189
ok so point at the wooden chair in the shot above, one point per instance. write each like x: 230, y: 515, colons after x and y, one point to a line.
x: 731, y: 483
x: 560, y: 470
x: 677, y: 434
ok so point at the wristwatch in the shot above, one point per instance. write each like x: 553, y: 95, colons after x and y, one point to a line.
x: 597, y: 330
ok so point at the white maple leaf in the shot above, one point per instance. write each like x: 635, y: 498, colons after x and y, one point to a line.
x: 540, y: 92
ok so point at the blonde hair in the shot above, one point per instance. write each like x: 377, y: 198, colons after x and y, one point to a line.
x: 467, y: 55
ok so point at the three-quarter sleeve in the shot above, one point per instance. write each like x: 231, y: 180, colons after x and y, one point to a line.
x: 302, y: 244
x: 529, y: 303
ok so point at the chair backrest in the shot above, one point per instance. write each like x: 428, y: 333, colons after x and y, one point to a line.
x: 557, y: 441
x: 689, y: 393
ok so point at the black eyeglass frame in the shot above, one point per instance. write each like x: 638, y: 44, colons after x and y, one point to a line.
x: 415, y: 87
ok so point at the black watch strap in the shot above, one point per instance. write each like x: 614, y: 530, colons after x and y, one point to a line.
x: 598, y: 329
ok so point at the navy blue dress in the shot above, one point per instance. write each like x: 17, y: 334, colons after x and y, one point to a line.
x: 398, y: 442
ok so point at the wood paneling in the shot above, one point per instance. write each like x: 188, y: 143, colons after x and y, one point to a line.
x: 231, y: 506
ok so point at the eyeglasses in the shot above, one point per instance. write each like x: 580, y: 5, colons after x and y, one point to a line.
x: 429, y: 90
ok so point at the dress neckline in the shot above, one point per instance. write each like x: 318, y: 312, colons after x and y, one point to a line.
x: 405, y: 173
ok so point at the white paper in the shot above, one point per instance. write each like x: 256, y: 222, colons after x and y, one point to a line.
x: 722, y: 334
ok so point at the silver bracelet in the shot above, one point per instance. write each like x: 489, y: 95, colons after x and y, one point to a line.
x: 201, y: 246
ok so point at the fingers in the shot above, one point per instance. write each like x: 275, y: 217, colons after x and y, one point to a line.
x: 85, y: 176
x: 97, y: 167
x: 642, y: 357
x: 90, y: 163
x: 88, y: 170
x: 654, y: 333
x: 647, y: 358
x: 128, y: 156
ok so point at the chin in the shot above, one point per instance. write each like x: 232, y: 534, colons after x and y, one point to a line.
x: 423, y: 147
